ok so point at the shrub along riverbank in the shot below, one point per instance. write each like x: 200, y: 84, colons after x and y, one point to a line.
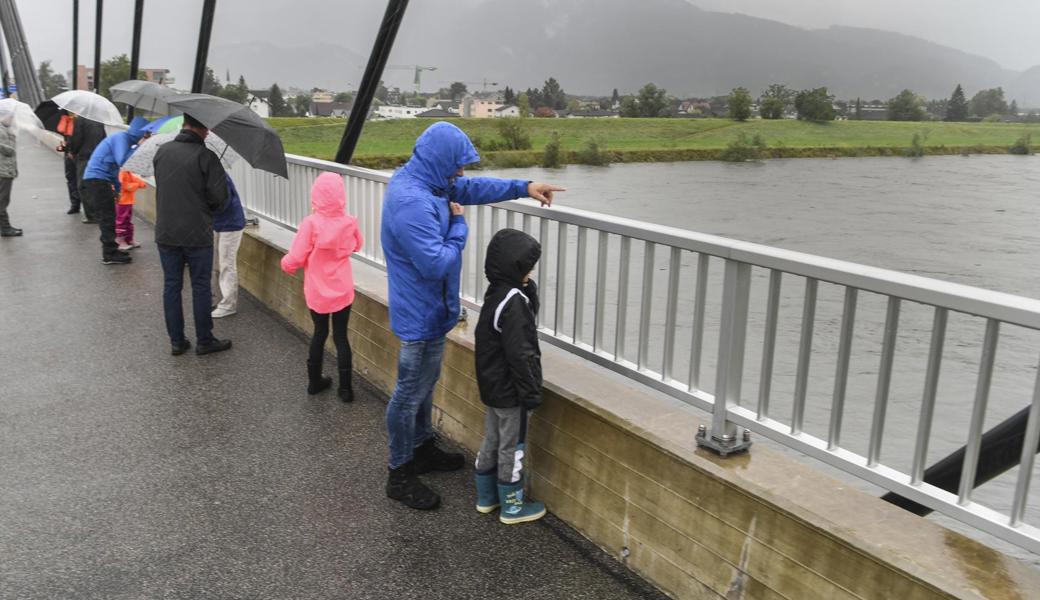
x: 387, y: 144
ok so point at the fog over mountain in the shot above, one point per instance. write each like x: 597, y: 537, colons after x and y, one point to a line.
x: 593, y: 47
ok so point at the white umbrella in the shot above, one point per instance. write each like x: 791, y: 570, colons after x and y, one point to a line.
x: 90, y: 106
x: 21, y: 115
x: 140, y: 162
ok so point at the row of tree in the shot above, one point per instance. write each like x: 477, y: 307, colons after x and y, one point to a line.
x: 988, y: 103
x: 818, y: 105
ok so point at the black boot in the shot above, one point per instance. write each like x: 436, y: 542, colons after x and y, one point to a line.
x: 403, y: 485
x: 429, y: 457
x: 316, y: 382
x: 346, y: 386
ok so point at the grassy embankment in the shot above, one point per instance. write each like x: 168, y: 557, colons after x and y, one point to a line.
x: 388, y: 143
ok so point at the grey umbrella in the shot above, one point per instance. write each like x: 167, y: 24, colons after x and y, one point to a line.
x: 145, y: 95
x: 239, y: 126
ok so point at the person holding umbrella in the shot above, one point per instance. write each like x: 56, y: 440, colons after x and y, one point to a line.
x: 191, y: 186
x: 86, y: 135
x: 101, y: 186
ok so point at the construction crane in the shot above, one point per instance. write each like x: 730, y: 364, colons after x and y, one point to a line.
x: 418, y: 72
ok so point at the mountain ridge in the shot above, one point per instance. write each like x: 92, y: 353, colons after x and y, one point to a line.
x: 592, y: 49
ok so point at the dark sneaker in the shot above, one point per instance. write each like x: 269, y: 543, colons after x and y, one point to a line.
x: 72, y: 210
x: 181, y: 348
x: 117, y: 259
x: 404, y: 486
x: 10, y: 232
x: 213, y: 346
x: 429, y: 457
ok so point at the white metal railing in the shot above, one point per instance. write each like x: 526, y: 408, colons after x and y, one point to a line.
x: 641, y: 299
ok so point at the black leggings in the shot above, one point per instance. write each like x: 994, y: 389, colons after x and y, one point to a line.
x: 339, y: 336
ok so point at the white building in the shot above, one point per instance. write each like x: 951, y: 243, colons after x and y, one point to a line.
x: 259, y: 106
x: 399, y: 112
x: 507, y: 110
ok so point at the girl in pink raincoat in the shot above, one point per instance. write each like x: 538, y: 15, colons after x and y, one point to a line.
x: 323, y: 244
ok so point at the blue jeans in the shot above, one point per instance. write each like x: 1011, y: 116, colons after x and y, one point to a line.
x: 200, y: 266
x: 409, y: 419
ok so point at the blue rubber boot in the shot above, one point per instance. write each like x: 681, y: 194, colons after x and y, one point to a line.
x: 487, y: 494
x: 514, y: 508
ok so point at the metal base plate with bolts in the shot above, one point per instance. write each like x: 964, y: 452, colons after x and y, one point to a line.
x: 725, y: 446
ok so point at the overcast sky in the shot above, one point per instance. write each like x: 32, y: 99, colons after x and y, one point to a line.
x: 1003, y: 30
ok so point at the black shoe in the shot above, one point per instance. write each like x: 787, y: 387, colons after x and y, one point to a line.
x: 346, y: 386
x: 181, y: 348
x: 404, y: 486
x: 429, y: 457
x: 87, y: 221
x: 316, y: 382
x: 213, y: 346
x: 72, y: 210
x: 117, y: 259
x: 10, y: 232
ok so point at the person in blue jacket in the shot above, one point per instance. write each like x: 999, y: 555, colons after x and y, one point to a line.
x: 423, y: 235
x: 101, y: 186
x: 227, y: 237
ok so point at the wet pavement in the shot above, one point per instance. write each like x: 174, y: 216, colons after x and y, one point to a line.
x: 129, y: 473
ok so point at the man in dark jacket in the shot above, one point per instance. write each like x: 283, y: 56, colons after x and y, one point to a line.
x: 190, y: 187
x: 86, y: 135
x: 509, y: 374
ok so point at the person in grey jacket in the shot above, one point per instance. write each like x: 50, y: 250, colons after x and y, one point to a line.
x: 190, y: 187
x: 8, y: 173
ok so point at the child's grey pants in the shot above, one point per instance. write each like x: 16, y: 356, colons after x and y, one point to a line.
x: 505, y: 430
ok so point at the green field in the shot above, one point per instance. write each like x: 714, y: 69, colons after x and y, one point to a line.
x: 389, y: 143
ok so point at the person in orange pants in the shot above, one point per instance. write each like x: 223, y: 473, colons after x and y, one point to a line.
x: 129, y: 183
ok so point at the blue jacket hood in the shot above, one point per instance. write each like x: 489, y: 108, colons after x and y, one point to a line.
x: 136, y: 128
x: 439, y: 152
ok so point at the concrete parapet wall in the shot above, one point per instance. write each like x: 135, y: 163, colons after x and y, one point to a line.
x: 618, y: 463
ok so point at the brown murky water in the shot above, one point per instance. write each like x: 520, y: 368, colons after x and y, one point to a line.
x: 970, y: 220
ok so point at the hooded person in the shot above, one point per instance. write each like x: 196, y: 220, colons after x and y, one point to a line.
x: 8, y: 173
x: 423, y: 234
x: 323, y: 244
x: 101, y: 186
x: 509, y: 374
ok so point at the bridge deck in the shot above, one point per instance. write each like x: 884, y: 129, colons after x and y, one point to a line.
x: 129, y: 473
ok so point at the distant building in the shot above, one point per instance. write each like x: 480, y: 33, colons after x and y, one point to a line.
x: 436, y: 113
x: 85, y: 77
x: 388, y: 111
x: 322, y: 96
x: 258, y: 104
x: 592, y: 114
x: 330, y: 109
x: 507, y: 110
x: 478, y: 108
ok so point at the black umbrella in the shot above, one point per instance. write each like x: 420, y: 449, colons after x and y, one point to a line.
x: 146, y: 95
x: 237, y: 125
x: 49, y: 114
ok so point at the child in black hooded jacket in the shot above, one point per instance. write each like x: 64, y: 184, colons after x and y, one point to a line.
x: 509, y: 374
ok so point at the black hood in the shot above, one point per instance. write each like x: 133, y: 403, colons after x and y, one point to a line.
x: 510, y: 257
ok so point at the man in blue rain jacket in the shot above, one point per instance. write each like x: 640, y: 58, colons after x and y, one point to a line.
x: 100, y: 186
x: 423, y: 235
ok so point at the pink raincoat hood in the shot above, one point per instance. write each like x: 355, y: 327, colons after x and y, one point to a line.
x: 323, y: 245
x: 328, y: 196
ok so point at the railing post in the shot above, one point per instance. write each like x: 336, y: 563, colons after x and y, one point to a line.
x: 723, y: 437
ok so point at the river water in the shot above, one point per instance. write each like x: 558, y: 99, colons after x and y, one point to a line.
x: 970, y: 220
